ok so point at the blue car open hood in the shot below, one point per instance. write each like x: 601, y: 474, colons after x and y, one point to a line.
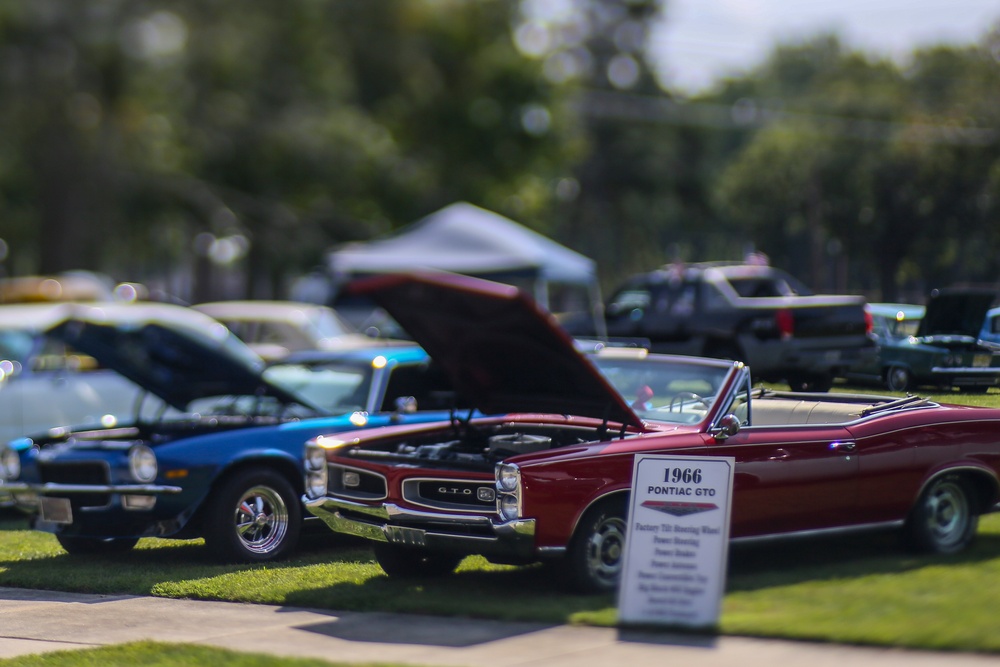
x: 173, y: 352
x: 500, y: 349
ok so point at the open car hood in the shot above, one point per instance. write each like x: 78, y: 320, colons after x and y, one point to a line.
x: 956, y: 312
x: 501, y: 350
x: 173, y: 352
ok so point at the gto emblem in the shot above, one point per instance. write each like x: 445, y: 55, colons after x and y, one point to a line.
x: 454, y: 491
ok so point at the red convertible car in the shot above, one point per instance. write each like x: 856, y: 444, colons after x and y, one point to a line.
x: 548, y: 478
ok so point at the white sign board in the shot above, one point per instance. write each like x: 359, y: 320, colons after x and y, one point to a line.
x: 677, y: 541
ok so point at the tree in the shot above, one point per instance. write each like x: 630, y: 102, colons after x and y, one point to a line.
x: 293, y: 127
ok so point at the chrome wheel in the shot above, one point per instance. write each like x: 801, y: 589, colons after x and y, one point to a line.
x: 944, y: 520
x: 604, y: 550
x: 947, y: 514
x: 594, y: 559
x: 261, y: 520
x: 253, y: 516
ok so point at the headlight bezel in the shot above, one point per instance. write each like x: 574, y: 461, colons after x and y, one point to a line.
x: 317, y: 473
x: 508, y: 477
x: 508, y: 486
x: 142, y: 464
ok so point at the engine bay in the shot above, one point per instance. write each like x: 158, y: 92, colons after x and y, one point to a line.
x: 474, y: 447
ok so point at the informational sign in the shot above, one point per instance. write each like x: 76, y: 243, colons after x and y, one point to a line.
x: 676, y: 541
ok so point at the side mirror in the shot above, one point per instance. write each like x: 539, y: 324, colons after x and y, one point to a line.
x: 406, y: 405
x: 727, y: 426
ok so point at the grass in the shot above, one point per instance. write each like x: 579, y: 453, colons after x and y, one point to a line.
x: 859, y: 590
x: 157, y: 654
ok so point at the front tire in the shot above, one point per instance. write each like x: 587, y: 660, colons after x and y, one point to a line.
x: 944, y: 520
x: 255, y: 516
x: 95, y: 546
x: 406, y: 563
x: 596, y: 553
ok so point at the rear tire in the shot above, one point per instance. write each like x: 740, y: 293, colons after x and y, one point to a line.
x: 95, y: 546
x: 810, y: 382
x: 406, y: 563
x: 898, y: 378
x: 944, y: 520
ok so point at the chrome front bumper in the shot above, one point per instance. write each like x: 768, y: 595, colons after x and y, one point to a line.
x: 53, y: 488
x: 464, y: 533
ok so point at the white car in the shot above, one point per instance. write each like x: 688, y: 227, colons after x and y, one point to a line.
x: 275, y: 328
x: 45, y: 384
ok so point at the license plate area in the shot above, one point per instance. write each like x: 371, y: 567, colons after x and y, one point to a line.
x: 981, y: 360
x: 56, y: 510
x: 406, y: 536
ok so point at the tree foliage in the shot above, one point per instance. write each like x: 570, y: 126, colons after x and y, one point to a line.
x: 141, y: 135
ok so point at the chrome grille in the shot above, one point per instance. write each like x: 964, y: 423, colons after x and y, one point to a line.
x: 369, y: 486
x: 78, y: 473
x: 453, y: 495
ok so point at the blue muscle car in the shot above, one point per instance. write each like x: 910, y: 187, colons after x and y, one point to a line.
x: 215, y: 449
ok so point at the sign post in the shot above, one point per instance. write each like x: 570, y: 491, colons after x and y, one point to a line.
x: 677, y: 541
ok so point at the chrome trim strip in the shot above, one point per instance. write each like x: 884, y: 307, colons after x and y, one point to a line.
x: 51, y: 487
x: 818, y: 532
x: 971, y: 370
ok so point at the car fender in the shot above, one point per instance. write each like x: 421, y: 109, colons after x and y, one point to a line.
x: 984, y: 479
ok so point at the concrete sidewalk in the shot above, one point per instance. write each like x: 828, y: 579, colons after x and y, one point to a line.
x: 39, y: 621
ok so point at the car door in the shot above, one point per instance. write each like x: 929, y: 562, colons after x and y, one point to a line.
x: 792, y: 478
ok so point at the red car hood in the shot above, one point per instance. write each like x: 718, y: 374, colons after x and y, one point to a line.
x: 502, y: 351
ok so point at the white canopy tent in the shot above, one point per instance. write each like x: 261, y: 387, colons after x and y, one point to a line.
x: 463, y: 238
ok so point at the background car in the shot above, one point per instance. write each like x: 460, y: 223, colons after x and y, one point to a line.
x: 990, y: 331
x: 275, y: 328
x: 45, y: 383
x: 550, y: 480
x: 221, y: 458
x: 938, y: 345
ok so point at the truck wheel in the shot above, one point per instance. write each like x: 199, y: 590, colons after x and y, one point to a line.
x: 403, y: 562
x: 943, y: 521
x: 810, y: 383
x: 898, y: 378
x: 95, y: 546
x: 596, y: 552
x: 254, y: 516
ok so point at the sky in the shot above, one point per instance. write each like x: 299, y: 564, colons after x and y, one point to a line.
x: 702, y: 40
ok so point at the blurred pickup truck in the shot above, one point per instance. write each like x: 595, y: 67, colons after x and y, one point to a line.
x: 757, y: 314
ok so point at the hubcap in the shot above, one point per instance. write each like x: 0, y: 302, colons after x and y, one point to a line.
x: 261, y: 520
x: 604, y: 552
x: 947, y: 513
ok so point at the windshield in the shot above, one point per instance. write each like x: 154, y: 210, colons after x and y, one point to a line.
x: 665, y: 390
x: 335, y: 387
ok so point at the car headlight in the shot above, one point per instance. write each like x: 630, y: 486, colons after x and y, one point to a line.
x: 510, y: 507
x: 316, y: 471
x: 10, y: 464
x: 508, y: 477
x: 142, y: 464
x: 315, y: 459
